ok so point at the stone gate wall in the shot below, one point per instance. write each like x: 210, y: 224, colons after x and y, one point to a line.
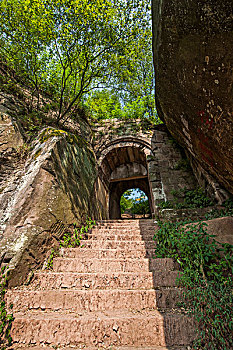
x: 168, y: 167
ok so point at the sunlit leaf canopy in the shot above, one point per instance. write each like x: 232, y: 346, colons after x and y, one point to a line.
x: 82, y: 52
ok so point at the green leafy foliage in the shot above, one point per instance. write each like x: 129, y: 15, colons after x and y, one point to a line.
x: 226, y: 210
x: 49, y: 265
x: 106, y: 104
x: 126, y: 202
x: 63, y: 50
x: 72, y: 238
x: 6, y: 318
x: 207, y: 276
x: 141, y: 206
x: 136, y: 205
x: 188, y: 199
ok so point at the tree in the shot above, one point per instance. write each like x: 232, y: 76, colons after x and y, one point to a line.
x: 136, y: 201
x: 68, y: 48
x: 131, y: 84
x: 141, y: 206
x: 104, y: 104
x: 126, y: 201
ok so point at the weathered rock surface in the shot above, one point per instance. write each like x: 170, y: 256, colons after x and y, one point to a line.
x: 193, y: 61
x: 56, y: 184
x: 222, y: 228
x: 10, y: 136
x: 11, y: 149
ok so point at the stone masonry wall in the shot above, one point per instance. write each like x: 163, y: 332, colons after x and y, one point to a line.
x: 168, y: 167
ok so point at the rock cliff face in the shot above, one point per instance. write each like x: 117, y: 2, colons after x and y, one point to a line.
x: 193, y: 61
x: 55, y: 184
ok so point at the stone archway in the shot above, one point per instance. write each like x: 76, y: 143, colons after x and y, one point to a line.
x: 150, y: 158
x: 123, y: 165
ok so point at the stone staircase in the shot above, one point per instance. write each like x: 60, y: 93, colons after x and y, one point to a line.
x: 108, y: 294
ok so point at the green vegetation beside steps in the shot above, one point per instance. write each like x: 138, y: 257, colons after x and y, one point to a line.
x: 6, y: 318
x: 206, y: 278
x: 184, y: 199
x: 71, y: 239
x: 225, y: 210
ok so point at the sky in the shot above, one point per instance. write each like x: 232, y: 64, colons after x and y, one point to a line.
x: 136, y: 193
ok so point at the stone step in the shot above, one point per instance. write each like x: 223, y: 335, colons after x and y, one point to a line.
x: 121, y: 236
x: 107, y: 253
x: 84, y: 265
x: 92, y: 300
x: 125, y: 229
x: 126, y: 225
x: 116, y: 280
x: 45, y: 347
x: 125, y: 222
x: 108, y: 328
x: 112, y: 244
x: 121, y: 227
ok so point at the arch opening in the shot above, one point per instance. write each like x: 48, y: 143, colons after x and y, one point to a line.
x: 134, y: 203
x: 117, y: 189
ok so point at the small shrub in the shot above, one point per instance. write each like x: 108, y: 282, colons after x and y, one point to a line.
x: 49, y: 265
x: 72, y: 238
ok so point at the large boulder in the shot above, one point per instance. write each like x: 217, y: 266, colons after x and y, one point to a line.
x: 192, y: 44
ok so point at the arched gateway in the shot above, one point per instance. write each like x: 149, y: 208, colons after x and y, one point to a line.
x: 123, y: 164
x: 145, y: 160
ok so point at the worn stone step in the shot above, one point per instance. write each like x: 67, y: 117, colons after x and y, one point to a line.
x: 107, y: 253
x: 84, y: 265
x: 61, y: 347
x: 125, y: 222
x: 126, y: 225
x: 99, y: 347
x: 116, y: 280
x: 129, y: 229
x: 112, y: 244
x: 44, y: 346
x: 91, y: 300
x: 108, y: 328
x: 116, y: 236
